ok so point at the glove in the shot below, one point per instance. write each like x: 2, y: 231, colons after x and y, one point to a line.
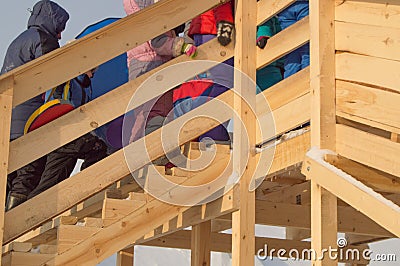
x: 189, y: 50
x: 224, y: 32
x: 262, y: 41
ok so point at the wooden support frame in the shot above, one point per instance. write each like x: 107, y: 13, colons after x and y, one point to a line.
x: 201, y: 244
x: 221, y: 242
x: 244, y: 138
x: 381, y: 210
x: 125, y: 257
x: 323, y: 119
x: 59, y: 198
x: 6, y: 99
x: 130, y: 228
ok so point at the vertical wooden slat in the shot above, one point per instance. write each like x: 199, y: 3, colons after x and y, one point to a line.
x: 323, y: 120
x: 243, y: 220
x: 201, y: 244
x: 6, y: 99
x: 125, y: 257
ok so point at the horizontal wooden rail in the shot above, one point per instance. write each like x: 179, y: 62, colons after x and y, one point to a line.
x: 379, y: 106
x: 81, y: 186
x: 78, y: 57
x: 383, y: 42
x: 284, y: 42
x: 356, y: 194
x: 92, y: 115
x: 383, y: 13
x: 368, y: 149
x: 266, y: 9
x: 364, y: 69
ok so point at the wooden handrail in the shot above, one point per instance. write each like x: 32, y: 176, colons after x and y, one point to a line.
x: 100, y: 46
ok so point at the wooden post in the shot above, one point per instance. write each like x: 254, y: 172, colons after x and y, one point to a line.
x: 125, y: 257
x: 323, y: 121
x: 6, y: 99
x: 244, y: 139
x: 201, y: 244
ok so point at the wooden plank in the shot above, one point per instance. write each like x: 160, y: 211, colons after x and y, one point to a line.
x: 368, y: 103
x: 27, y: 258
x: 371, y: 125
x: 93, y: 222
x: 17, y: 246
x: 91, y: 115
x: 121, y: 234
x: 368, y: 70
x: 125, y: 257
x: 201, y: 244
x: 368, y: 149
x: 47, y: 249
x: 323, y: 223
x: 284, y: 42
x: 284, y: 91
x: 267, y: 9
x: 383, y: 42
x: 384, y: 13
x: 375, y: 206
x: 377, y: 180
x: 70, y: 235
x: 222, y: 243
x: 290, y: 152
x: 245, y: 134
x: 77, y: 188
x: 395, y: 137
x: 114, y: 209
x: 6, y: 99
x: 94, y: 49
x: 287, y: 117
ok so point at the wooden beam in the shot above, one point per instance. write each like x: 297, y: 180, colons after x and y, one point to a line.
x: 377, y: 180
x: 222, y: 243
x: 267, y: 9
x: 26, y: 258
x: 66, y: 194
x: 284, y: 42
x: 244, y: 128
x: 375, y: 206
x: 90, y: 116
x: 127, y: 230
x: 323, y: 119
x: 201, y: 244
x: 94, y: 49
x: 6, y: 99
x: 368, y: 103
x: 125, y: 257
x: 363, y: 69
x: 377, y: 41
x: 368, y: 149
x: 382, y: 13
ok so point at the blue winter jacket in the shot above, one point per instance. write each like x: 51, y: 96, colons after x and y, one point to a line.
x: 46, y: 21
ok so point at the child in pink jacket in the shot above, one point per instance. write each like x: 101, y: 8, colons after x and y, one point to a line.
x: 148, y: 56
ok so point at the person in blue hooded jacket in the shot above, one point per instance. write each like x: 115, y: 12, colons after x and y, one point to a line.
x: 46, y: 22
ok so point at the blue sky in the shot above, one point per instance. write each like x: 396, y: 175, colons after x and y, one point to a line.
x: 14, y: 17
